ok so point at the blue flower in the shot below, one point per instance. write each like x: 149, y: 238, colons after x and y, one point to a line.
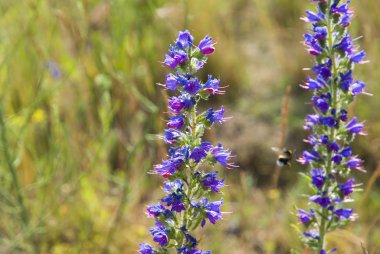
x: 318, y: 178
x: 211, y: 181
x: 313, y: 17
x: 321, y: 200
x: 173, y: 186
x: 354, y: 127
x: 222, y: 156
x: 345, y: 213
x: 159, y: 236
x: 357, y: 88
x: 206, y: 45
x: 308, y: 156
x: 346, y: 44
x: 212, y: 210
x: 354, y: 163
x: 212, y: 86
x: 305, y: 217
x: 184, y: 40
x: 337, y: 158
x: 171, y: 82
x: 321, y: 103
x: 192, y: 86
x: 358, y: 57
x: 215, y: 115
x: 146, y: 249
x: 176, y: 122
x: 334, y: 146
x: 156, y: 210
x: 313, y: 234
x: 198, y: 154
x: 346, y: 152
x: 171, y: 135
x: 347, y: 188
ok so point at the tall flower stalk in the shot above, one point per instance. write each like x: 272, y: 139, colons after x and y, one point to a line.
x: 187, y: 204
x: 330, y: 159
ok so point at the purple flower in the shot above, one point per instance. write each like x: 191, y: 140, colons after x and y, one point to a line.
x: 354, y: 127
x: 305, y: 217
x: 212, y: 209
x: 175, y: 201
x: 346, y: 80
x: 211, y: 181
x: 343, y: 9
x: 322, y: 104
x: 337, y: 158
x: 170, y: 61
x: 159, y: 236
x: 173, y: 186
x: 156, y: 210
x: 321, y: 200
x: 343, y: 115
x: 222, y: 156
x: 192, y: 86
x: 312, y: 234
x: 334, y: 146
x: 212, y: 86
x: 320, y: 32
x: 168, y: 167
x: 347, y: 188
x: 146, y: 249
x: 328, y: 121
x: 311, y: 121
x: 184, y: 40
x: 184, y: 101
x: 313, y: 17
x: 171, y: 135
x: 308, y: 156
x: 176, y: 122
x: 175, y: 57
x: 346, y: 152
x: 345, y: 213
x: 346, y: 44
x: 215, y: 115
x: 313, y: 84
x: 358, y: 57
x: 357, y: 88
x: 318, y: 177
x: 198, y: 154
x: 175, y: 104
x: 171, y: 82
x: 324, y: 139
x: 355, y: 163
x: 206, y: 45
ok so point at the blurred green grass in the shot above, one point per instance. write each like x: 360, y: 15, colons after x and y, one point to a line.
x: 81, y: 112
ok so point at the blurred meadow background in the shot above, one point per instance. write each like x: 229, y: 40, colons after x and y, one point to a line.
x: 80, y: 112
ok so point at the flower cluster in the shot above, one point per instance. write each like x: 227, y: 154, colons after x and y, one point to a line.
x: 187, y: 203
x: 330, y: 159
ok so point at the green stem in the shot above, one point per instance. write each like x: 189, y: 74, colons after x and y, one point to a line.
x: 24, y: 215
x: 8, y: 159
x: 186, y: 14
x: 324, y: 225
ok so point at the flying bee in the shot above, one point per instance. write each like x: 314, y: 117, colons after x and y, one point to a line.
x: 284, y: 156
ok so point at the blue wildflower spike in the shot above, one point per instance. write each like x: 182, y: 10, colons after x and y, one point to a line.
x: 185, y: 206
x: 333, y: 86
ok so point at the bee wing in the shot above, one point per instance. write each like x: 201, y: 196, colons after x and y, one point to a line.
x: 276, y: 150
